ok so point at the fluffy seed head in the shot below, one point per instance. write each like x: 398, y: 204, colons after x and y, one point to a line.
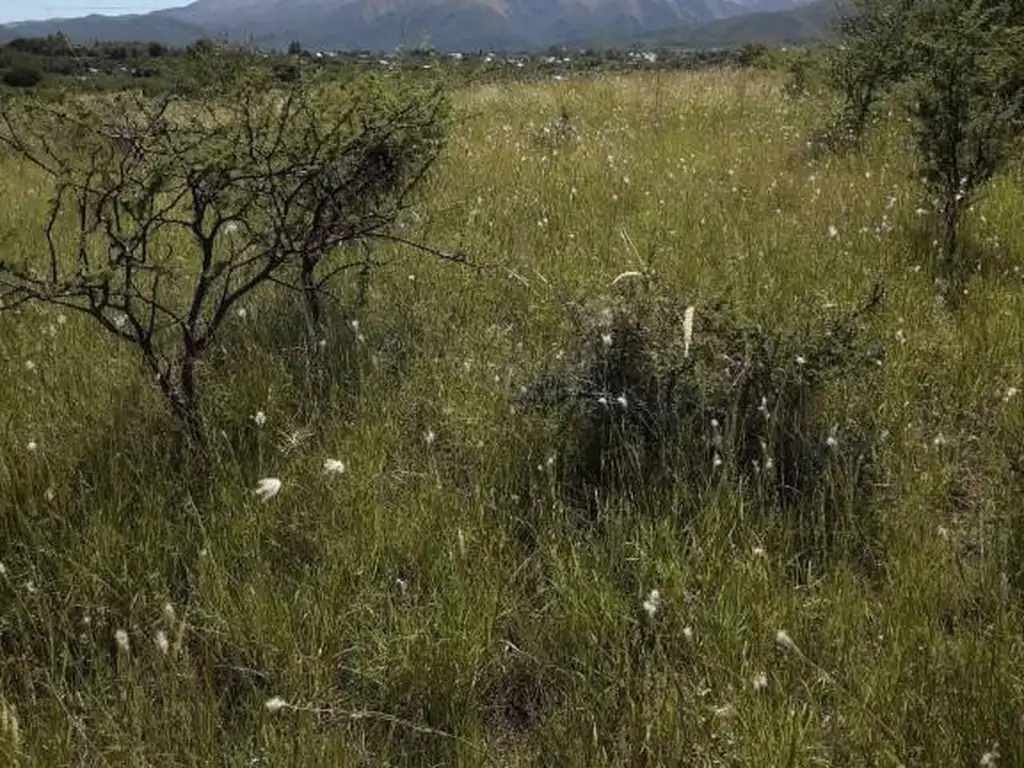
x: 9, y: 725
x: 268, y: 488
x: 652, y: 603
x: 990, y: 758
x: 275, y: 704
x: 688, y: 329
x: 333, y: 467
x: 784, y: 641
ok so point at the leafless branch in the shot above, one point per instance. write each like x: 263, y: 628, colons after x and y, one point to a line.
x: 165, y: 214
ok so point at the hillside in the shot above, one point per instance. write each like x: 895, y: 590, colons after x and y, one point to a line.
x: 386, y: 24
x: 800, y: 26
x: 95, y: 27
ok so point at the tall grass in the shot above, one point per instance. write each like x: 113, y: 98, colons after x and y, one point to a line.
x: 441, y: 601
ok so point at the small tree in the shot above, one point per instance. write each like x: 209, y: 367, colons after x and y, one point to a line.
x: 23, y: 76
x: 871, y: 58
x: 375, y: 143
x: 166, y: 214
x: 963, y: 64
x: 755, y: 55
x: 967, y: 105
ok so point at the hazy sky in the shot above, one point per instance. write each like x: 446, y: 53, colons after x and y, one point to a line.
x: 21, y: 10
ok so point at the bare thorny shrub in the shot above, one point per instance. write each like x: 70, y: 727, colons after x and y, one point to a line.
x: 700, y: 400
x: 166, y: 213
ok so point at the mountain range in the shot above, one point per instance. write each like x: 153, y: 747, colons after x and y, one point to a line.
x: 444, y: 24
x: 808, y: 24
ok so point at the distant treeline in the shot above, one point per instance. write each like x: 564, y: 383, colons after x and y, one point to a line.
x: 57, y: 61
x: 28, y: 62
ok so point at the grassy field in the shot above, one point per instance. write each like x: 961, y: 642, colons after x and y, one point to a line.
x: 441, y: 601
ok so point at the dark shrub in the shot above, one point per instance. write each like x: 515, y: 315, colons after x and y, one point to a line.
x: 737, y: 407
x: 23, y: 77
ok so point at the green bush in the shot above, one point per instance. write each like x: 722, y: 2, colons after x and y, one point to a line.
x: 961, y: 63
x: 705, y: 400
x: 804, y: 74
x: 756, y: 55
x: 23, y: 77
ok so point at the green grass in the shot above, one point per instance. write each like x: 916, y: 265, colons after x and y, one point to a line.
x: 439, y: 603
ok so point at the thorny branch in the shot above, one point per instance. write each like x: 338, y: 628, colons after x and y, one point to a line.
x: 166, y: 213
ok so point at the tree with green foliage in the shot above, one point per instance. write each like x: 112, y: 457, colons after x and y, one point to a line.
x: 870, y: 59
x: 967, y: 103
x: 755, y: 55
x: 962, y: 64
x: 23, y: 76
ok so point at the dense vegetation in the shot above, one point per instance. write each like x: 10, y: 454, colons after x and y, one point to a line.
x: 155, y: 68
x: 691, y: 456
